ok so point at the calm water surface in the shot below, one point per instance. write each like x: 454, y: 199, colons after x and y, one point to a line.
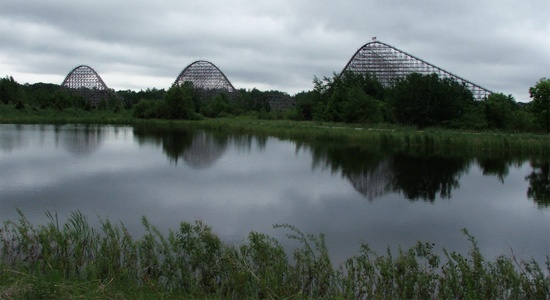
x: 238, y: 184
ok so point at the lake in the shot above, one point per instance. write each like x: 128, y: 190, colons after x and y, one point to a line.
x: 242, y: 183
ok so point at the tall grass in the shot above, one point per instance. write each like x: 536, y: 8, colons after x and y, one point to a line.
x: 76, y: 260
x: 382, y: 135
x: 28, y: 115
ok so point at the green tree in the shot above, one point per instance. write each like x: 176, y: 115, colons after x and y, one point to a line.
x: 179, y: 102
x: 427, y: 100
x: 360, y: 107
x: 368, y: 83
x: 304, y: 104
x: 129, y: 98
x: 540, y: 105
x: 143, y: 110
x: 216, y: 106
x: 499, y: 111
x: 9, y: 89
x: 474, y: 116
x: 102, y: 104
x: 347, y: 97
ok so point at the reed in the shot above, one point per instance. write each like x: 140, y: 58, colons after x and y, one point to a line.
x: 380, y: 135
x: 28, y: 115
x: 77, y: 260
x: 383, y: 136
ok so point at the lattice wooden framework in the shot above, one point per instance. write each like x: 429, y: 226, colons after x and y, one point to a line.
x: 281, y: 101
x: 207, y: 77
x: 87, y: 83
x: 388, y: 64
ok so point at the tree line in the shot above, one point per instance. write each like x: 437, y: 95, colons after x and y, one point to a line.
x: 421, y: 101
x: 416, y: 100
x: 186, y: 102
x: 41, y: 96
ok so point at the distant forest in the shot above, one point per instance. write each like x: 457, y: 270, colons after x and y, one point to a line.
x: 416, y: 100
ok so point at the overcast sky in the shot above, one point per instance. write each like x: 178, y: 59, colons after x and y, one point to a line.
x: 501, y: 45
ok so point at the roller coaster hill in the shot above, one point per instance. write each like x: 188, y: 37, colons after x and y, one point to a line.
x: 385, y: 62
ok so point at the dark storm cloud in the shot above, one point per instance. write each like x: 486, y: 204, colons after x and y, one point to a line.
x: 501, y: 45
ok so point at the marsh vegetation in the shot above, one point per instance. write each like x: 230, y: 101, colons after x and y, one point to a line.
x: 74, y: 259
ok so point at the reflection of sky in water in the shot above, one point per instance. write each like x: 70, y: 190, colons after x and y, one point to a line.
x: 244, y: 184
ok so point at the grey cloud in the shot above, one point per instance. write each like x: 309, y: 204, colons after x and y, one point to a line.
x: 500, y: 45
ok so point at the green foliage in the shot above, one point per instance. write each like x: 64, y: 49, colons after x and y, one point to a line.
x: 473, y: 277
x: 503, y: 113
x: 417, y: 100
x: 19, y: 104
x: 305, y: 102
x: 312, y: 273
x: 8, y: 90
x: 32, y: 115
x: 350, y: 98
x: 498, y: 110
x: 76, y: 260
x: 291, y: 114
x: 42, y: 96
x: 361, y: 108
x: 367, y: 82
x: 427, y: 100
x: 130, y: 98
x: 411, y: 275
x: 540, y: 105
x: 217, y: 107
x: 473, y: 117
x: 179, y: 102
x: 149, y: 108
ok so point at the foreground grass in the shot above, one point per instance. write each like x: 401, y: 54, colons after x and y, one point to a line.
x: 76, y: 260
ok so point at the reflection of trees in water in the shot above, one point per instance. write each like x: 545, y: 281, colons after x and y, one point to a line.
x: 498, y: 164
x: 368, y: 170
x: 373, y: 183
x: 494, y: 166
x: 205, y: 150
x: 11, y: 137
x: 539, y: 183
x: 374, y: 174
x: 417, y: 177
x: 243, y: 143
x: 198, y: 149
x: 174, y: 144
x: 81, y: 140
x: 14, y: 137
x: 422, y: 177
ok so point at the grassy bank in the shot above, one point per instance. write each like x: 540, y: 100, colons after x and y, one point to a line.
x: 28, y: 115
x: 385, y: 135
x: 372, y: 135
x: 75, y: 260
x: 380, y: 136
